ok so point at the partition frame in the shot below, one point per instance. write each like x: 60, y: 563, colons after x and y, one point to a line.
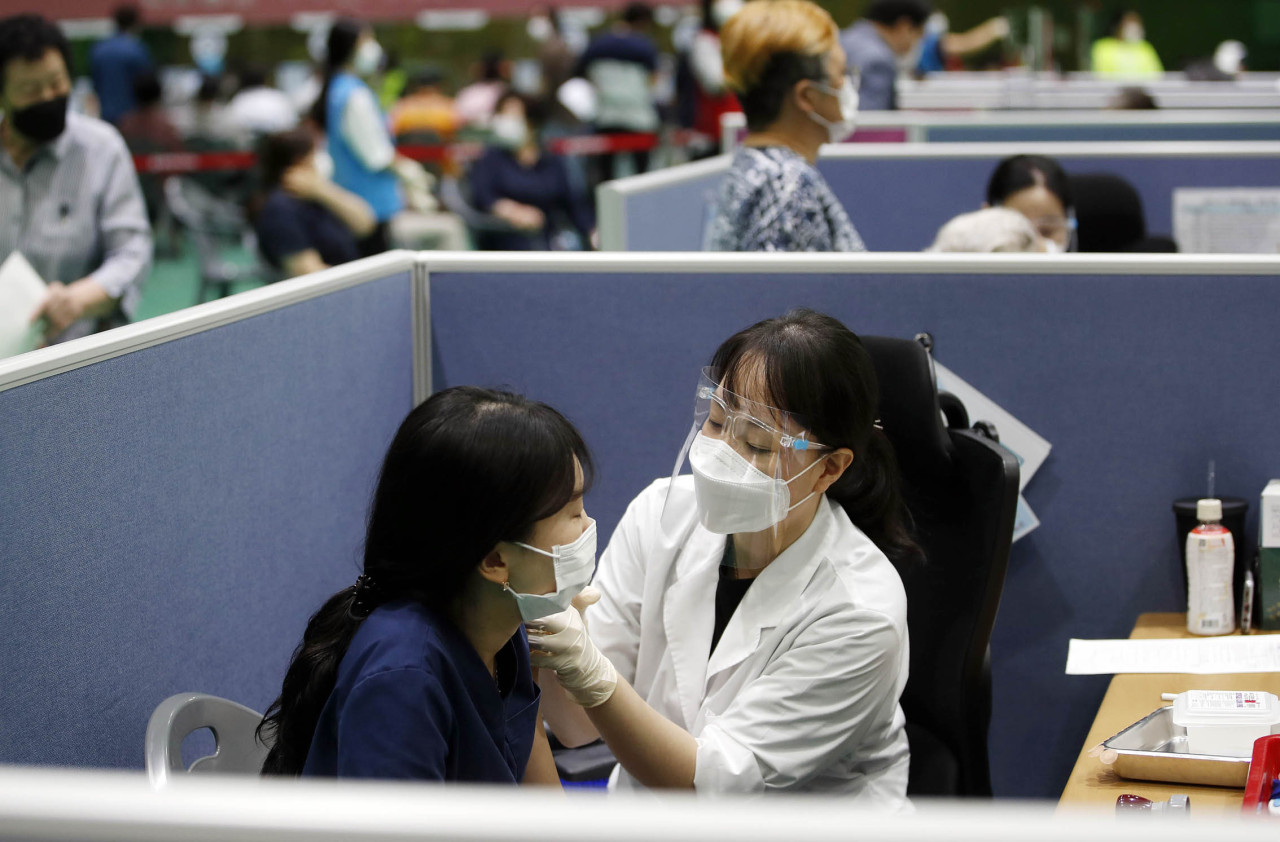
x: 918, y: 123
x: 57, y: 359
x: 703, y: 279
x: 886, y: 119
x: 612, y: 196
x: 34, y: 804
x: 862, y: 262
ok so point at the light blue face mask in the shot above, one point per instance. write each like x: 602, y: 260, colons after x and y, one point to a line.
x: 575, y: 564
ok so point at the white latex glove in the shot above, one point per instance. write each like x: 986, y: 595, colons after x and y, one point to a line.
x: 560, y: 642
x: 586, y: 598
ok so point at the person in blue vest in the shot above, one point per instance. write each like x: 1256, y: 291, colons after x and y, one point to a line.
x: 364, y: 158
x: 115, y: 62
x: 421, y: 670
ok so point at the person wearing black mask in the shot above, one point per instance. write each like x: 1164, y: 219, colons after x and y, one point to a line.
x: 80, y: 218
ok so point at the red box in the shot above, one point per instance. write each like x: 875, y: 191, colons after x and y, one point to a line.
x: 1263, y: 769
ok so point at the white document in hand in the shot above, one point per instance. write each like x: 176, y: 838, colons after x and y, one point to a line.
x: 21, y: 293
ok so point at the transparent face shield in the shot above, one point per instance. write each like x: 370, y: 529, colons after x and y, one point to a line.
x: 752, y: 467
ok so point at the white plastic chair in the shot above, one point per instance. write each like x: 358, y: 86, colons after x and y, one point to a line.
x: 237, y: 750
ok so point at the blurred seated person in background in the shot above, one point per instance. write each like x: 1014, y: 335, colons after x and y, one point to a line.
x: 1125, y: 52
x: 304, y: 221
x: 988, y: 230
x: 82, y: 226
x: 887, y: 33
x: 621, y: 64
x: 556, y: 57
x: 259, y: 109
x: 475, y: 104
x: 783, y: 59
x: 1037, y: 188
x: 1131, y: 99
x: 523, y: 185
x: 147, y: 128
x: 1226, y: 63
x: 702, y: 96
x: 940, y: 46
x: 425, y: 113
x: 365, y: 161
x: 211, y: 123
x: 115, y: 61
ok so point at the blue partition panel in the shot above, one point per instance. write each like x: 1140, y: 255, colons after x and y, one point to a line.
x: 1137, y: 381
x: 672, y: 218
x: 899, y: 203
x: 1100, y: 132
x: 169, y: 518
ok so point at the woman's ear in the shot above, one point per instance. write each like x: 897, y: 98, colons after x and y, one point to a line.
x: 836, y: 463
x: 494, y: 568
x: 800, y: 90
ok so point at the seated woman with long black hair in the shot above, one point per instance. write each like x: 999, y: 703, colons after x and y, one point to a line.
x: 421, y: 669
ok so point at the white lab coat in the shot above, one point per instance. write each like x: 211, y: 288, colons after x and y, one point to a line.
x: 802, y: 691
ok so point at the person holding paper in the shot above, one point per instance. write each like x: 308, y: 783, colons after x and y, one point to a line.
x: 69, y: 195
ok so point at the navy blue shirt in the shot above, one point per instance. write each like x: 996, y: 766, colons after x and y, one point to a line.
x: 287, y: 225
x: 113, y: 64
x: 545, y: 186
x: 414, y: 701
x: 619, y: 46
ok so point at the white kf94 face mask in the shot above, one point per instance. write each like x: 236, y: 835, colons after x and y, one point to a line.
x: 734, y: 496
x: 847, y: 95
x: 575, y: 564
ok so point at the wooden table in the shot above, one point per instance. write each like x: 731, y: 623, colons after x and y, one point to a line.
x: 1131, y: 697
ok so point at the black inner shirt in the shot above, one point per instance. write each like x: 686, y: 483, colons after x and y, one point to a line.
x: 729, y: 592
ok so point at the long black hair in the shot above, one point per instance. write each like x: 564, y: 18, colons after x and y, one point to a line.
x: 339, y: 48
x: 1018, y: 172
x: 467, y: 469
x: 818, y: 370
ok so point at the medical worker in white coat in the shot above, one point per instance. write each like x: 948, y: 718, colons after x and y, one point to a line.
x: 751, y: 631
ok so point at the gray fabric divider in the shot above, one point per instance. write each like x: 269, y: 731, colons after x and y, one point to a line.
x: 1137, y: 381
x: 899, y: 203
x: 171, y: 517
x: 671, y: 218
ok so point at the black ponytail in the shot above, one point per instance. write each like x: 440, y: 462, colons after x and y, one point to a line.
x: 291, y: 720
x: 340, y: 46
x: 871, y: 493
x: 467, y: 469
x: 819, y: 371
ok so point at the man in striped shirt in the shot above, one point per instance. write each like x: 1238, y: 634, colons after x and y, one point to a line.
x: 69, y: 196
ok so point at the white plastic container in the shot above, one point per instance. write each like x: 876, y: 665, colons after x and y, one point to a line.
x: 1210, y: 568
x: 1226, y: 722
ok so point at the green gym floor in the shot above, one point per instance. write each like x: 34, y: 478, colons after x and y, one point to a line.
x: 175, y: 281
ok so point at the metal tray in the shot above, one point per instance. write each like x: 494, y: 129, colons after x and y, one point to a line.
x: 1154, y: 749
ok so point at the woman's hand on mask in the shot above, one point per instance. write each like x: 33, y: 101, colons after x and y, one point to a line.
x: 560, y: 643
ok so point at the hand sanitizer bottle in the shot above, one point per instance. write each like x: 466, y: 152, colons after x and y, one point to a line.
x: 1210, y: 565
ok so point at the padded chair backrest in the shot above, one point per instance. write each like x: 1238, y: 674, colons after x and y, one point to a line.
x: 962, y: 491
x: 237, y: 749
x: 1108, y: 213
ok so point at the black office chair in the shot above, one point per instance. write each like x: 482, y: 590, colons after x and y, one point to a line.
x: 962, y: 490
x: 1110, y: 218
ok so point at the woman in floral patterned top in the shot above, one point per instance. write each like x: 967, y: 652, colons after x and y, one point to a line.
x: 783, y: 59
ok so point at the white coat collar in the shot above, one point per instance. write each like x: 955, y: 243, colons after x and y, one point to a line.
x: 775, y: 592
x: 688, y: 613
